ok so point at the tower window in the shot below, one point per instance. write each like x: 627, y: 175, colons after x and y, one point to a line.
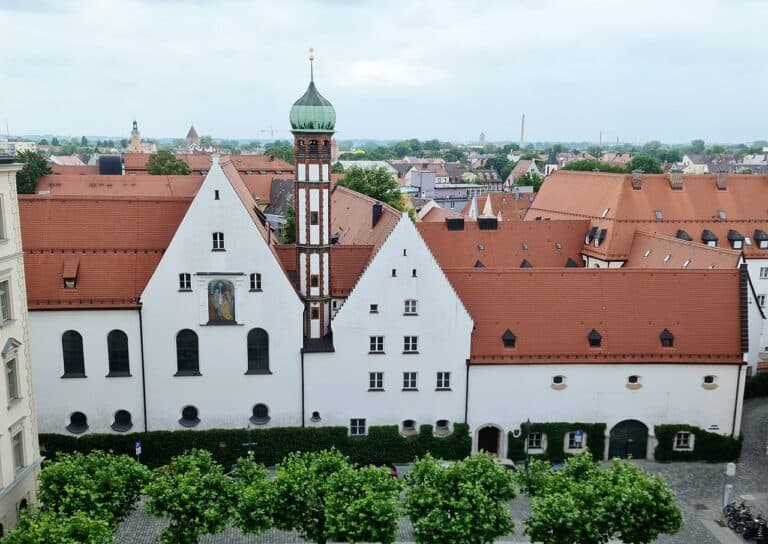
x: 413, y: 273
x: 394, y: 272
x: 314, y: 218
x: 314, y: 280
x: 314, y: 312
x: 313, y: 147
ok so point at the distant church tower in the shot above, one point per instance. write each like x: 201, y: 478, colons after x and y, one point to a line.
x: 312, y: 123
x: 135, y: 146
x: 193, y: 140
x: 482, y: 138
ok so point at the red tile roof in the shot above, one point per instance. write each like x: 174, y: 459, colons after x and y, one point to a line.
x: 139, y: 185
x: 61, y: 169
x: 351, y: 218
x: 347, y: 264
x: 198, y: 162
x: 112, y: 245
x: 508, y: 246
x: 551, y: 312
x: 437, y: 214
x: 511, y: 208
x: 610, y: 202
x: 659, y: 251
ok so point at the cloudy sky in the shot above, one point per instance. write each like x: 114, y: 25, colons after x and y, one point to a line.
x: 672, y: 70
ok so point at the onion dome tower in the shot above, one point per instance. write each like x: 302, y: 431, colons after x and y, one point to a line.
x: 313, y: 120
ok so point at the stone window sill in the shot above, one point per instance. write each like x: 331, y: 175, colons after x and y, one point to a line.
x: 189, y: 422
x: 709, y: 386
x: 410, y: 353
x: 375, y: 353
x: 255, y: 290
x: 74, y: 375
x: 188, y: 373
x: 119, y: 375
x: 259, y: 420
x: 121, y: 428
x: 558, y: 386
x: 634, y: 386
x: 258, y: 371
x: 217, y: 250
x: 408, y: 313
x: 185, y: 290
x: 14, y: 402
x: 410, y: 389
x: 375, y: 389
x: 442, y: 389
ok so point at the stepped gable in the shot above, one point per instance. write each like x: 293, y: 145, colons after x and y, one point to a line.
x: 551, y: 312
x: 112, y: 246
x: 611, y: 202
x: 543, y: 244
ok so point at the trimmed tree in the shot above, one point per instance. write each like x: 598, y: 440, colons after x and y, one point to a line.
x: 194, y: 493
x: 465, y: 502
x: 41, y: 527
x: 166, y: 163
x: 583, y: 504
x: 253, y: 511
x: 646, y: 163
x: 101, y: 485
x: 590, y: 165
x: 322, y: 497
x: 35, y: 166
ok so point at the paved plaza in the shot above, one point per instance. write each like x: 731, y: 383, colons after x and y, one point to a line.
x: 699, y: 488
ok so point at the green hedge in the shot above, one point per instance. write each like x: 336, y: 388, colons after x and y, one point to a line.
x: 706, y: 446
x: 555, y: 433
x: 383, y: 444
x: 756, y: 386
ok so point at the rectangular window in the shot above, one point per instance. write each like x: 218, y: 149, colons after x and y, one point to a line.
x: 314, y: 313
x: 683, y: 441
x: 5, y: 300
x: 443, y: 380
x: 314, y: 280
x: 375, y: 381
x: 764, y: 273
x: 575, y: 440
x: 761, y: 300
x: 534, y: 441
x: 410, y: 344
x: 218, y: 241
x: 409, y: 381
x: 314, y: 218
x: 357, y: 427
x: 374, y: 308
x: 377, y: 344
x: 255, y: 282
x: 2, y: 220
x: 185, y: 281
x: 18, y: 451
x: 12, y: 379
x: 410, y: 307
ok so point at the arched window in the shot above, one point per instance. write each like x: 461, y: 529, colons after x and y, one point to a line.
x: 72, y: 348
x: 189, y: 416
x: 258, y: 352
x: 122, y: 422
x: 312, y: 147
x: 259, y: 414
x: 187, y: 360
x: 78, y: 423
x: 117, y: 349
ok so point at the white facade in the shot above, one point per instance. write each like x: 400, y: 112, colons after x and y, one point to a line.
x: 504, y: 396
x: 223, y: 393
x: 19, y: 450
x: 338, y: 384
x: 98, y: 395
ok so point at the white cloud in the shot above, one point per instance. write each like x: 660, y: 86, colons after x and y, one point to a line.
x: 388, y: 73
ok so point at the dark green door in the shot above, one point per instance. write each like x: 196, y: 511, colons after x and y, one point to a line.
x: 629, y: 439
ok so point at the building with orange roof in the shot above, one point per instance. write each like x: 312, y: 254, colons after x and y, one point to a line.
x: 722, y: 211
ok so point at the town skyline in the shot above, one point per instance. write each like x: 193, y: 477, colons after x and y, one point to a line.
x: 166, y: 68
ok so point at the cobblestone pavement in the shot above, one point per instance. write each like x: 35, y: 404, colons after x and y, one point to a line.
x: 699, y: 488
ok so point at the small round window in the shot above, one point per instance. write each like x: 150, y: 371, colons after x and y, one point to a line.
x: 189, y: 416
x: 409, y: 425
x: 634, y: 378
x: 557, y: 380
x: 315, y: 416
x: 78, y: 423
x: 260, y: 414
x: 709, y: 379
x: 442, y: 424
x: 122, y: 421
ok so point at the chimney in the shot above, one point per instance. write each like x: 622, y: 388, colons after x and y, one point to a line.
x: 722, y: 180
x: 637, y: 179
x: 377, y: 211
x: 676, y: 179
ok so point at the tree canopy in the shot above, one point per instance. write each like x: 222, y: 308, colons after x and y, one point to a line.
x: 646, y: 163
x: 377, y: 183
x: 35, y: 166
x: 46, y: 527
x: 464, y: 502
x: 282, y: 149
x: 166, y: 163
x: 584, y: 504
x: 530, y: 178
x: 592, y: 165
x: 697, y: 146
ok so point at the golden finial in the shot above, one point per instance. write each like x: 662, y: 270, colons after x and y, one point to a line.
x: 311, y: 63
x: 311, y: 54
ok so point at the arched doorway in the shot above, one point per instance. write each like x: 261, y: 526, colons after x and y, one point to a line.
x: 629, y: 439
x: 488, y: 440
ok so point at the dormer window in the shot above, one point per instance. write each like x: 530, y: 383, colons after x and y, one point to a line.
x: 709, y: 238
x: 509, y: 339
x: 69, y: 274
x: 595, y: 339
x: 682, y: 235
x: 591, y: 235
x: 602, y: 233
x: 761, y: 237
x: 736, y: 239
x: 667, y: 339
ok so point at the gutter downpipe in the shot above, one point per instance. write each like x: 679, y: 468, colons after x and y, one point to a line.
x: 466, y: 396
x: 143, y: 373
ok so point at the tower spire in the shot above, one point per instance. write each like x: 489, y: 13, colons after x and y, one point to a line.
x: 312, y: 64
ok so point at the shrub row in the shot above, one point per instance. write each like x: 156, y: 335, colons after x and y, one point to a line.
x: 384, y: 444
x: 707, y: 446
x: 756, y: 386
x: 555, y: 433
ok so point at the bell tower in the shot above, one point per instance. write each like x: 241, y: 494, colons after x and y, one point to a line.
x: 135, y: 146
x: 312, y: 123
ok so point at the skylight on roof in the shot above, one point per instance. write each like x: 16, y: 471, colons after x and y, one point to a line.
x: 525, y: 246
x: 721, y: 215
x: 747, y: 241
x: 667, y: 258
x: 605, y: 212
x: 686, y: 263
x: 658, y: 215
x: 647, y: 253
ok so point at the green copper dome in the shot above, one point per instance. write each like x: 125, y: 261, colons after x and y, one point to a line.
x: 312, y: 112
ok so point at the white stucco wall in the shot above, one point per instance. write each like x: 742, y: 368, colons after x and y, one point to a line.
x: 758, y: 327
x: 507, y: 395
x: 223, y: 395
x: 97, y: 396
x: 337, y: 384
